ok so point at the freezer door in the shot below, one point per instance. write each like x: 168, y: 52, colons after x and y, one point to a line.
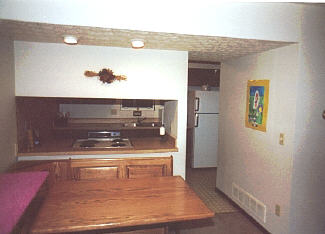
x: 205, y: 141
x: 206, y: 102
x: 190, y: 109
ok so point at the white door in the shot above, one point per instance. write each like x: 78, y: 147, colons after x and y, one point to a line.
x: 206, y: 102
x: 205, y: 141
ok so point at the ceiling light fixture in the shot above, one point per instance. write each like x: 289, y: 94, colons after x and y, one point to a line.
x: 70, y: 40
x: 137, y: 43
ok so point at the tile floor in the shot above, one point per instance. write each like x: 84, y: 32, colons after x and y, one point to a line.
x: 203, y: 182
x: 228, y: 219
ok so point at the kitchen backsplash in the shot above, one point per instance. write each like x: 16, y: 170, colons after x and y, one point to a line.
x: 41, y: 115
x: 102, y: 111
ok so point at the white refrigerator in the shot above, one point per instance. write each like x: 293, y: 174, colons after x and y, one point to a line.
x: 203, y: 114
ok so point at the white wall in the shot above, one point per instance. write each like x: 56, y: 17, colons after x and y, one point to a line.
x: 56, y: 70
x: 171, y: 117
x: 308, y: 188
x: 252, y: 159
x: 269, y: 21
x: 7, y: 104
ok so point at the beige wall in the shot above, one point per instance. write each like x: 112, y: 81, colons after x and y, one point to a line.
x: 252, y: 159
x: 308, y: 188
x: 7, y: 104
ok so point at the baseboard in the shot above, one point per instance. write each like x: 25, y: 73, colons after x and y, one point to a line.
x: 241, y: 210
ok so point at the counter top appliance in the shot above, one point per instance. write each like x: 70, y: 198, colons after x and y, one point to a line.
x: 103, y: 140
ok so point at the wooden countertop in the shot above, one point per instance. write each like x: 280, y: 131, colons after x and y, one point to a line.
x: 105, y: 204
x: 140, y: 145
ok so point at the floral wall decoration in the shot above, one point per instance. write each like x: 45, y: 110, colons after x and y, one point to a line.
x: 257, y: 104
x: 105, y: 75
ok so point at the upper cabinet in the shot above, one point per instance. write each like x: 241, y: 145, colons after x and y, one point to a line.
x: 199, y: 77
x: 203, y: 73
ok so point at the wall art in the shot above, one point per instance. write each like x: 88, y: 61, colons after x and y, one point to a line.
x: 105, y: 75
x: 257, y: 101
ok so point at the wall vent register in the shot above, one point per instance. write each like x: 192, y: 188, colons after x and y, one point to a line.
x: 249, y: 203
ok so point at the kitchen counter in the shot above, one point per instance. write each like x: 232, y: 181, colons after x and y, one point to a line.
x: 140, y: 145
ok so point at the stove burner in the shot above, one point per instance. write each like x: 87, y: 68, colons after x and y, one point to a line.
x: 88, y: 143
x: 102, y: 143
x: 118, y: 144
x: 118, y: 140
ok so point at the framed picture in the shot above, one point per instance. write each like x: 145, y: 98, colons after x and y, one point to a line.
x: 257, y: 101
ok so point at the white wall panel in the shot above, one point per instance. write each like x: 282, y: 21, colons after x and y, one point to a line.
x: 308, y: 190
x: 57, y: 70
x: 252, y: 159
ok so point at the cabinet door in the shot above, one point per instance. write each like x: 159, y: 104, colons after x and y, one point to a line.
x: 140, y: 171
x: 95, y: 173
x: 199, y: 77
x: 149, y: 167
x: 93, y: 169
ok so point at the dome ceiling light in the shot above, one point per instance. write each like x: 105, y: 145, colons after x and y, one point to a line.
x: 70, y: 40
x: 137, y: 43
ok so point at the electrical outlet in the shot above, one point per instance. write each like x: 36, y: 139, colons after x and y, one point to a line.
x: 16, y: 149
x: 281, y: 139
x: 277, y: 210
x: 137, y: 113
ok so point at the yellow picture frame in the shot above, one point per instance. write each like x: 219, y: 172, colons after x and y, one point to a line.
x: 257, y: 102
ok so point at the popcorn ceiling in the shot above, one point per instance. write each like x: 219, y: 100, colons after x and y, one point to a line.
x: 200, y: 48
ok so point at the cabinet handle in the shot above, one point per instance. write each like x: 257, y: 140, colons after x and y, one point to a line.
x: 197, y: 104
x: 196, y: 124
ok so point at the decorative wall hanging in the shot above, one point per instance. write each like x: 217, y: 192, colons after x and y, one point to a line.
x: 105, y: 75
x: 257, y: 104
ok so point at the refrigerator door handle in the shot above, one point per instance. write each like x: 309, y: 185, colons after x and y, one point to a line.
x: 196, y: 123
x: 197, y: 104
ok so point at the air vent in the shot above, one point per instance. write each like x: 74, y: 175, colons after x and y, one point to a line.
x: 261, y: 211
x: 235, y: 191
x: 249, y: 203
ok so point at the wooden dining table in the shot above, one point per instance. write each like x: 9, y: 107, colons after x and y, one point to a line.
x: 74, y: 206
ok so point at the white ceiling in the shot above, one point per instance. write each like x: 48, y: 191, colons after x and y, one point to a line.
x: 200, y: 47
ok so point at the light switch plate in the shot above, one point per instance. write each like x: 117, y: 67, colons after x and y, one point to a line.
x: 281, y: 139
x: 277, y: 210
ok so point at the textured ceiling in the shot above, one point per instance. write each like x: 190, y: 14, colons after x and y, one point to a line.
x: 200, y: 48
